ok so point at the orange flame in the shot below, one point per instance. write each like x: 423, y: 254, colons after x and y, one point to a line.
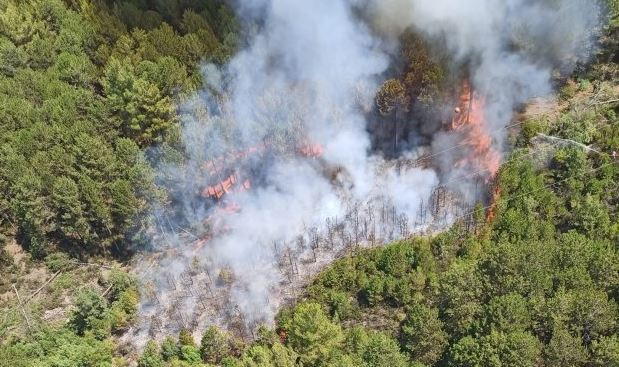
x: 221, y: 188
x: 233, y: 183
x: 469, y: 117
x: 229, y: 183
x: 310, y: 150
x: 215, y: 165
x: 492, y: 210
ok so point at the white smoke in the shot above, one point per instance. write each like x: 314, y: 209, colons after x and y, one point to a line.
x: 309, y: 70
x: 309, y: 74
x: 512, y: 49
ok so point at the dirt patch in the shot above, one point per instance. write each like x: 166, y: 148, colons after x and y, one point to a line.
x: 36, y: 276
x: 55, y: 316
x: 17, y: 252
x: 5, y: 297
x: 543, y: 106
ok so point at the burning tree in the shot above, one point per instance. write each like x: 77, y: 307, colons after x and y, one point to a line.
x: 469, y: 118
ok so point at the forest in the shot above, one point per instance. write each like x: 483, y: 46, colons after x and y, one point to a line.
x: 88, y: 89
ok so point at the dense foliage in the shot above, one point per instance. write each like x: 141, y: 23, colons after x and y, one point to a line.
x: 87, y: 339
x: 83, y: 86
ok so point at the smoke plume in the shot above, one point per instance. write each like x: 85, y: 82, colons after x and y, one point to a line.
x: 511, y: 48
x: 307, y: 78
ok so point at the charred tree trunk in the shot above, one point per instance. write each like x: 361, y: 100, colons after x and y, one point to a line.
x: 395, y: 132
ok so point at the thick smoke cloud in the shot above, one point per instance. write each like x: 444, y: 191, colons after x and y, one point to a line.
x: 309, y: 75
x: 512, y: 49
x: 308, y: 72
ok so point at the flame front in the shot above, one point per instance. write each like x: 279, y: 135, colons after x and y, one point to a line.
x: 469, y: 117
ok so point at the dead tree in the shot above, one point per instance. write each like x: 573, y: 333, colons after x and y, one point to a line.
x: 21, y: 306
x: 314, y: 241
x: 372, y: 233
x: 403, y: 224
x: 330, y: 232
x: 239, y: 322
x: 394, y: 220
x: 155, y: 326
x: 276, y: 253
x: 421, y: 215
x: 383, y: 213
x: 209, y: 282
x: 300, y: 243
x: 155, y: 295
x: 394, y: 214
x: 171, y: 281
x: 200, y: 297
x: 469, y: 221
x: 180, y: 320
x: 293, y: 270
x: 355, y: 224
x: 186, y: 279
x: 438, y: 199
x: 194, y: 320
x: 347, y: 240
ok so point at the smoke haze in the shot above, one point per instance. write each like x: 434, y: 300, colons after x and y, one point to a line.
x: 309, y: 75
x: 511, y: 47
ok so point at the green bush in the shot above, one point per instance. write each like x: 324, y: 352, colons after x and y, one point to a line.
x: 214, y: 346
x: 90, y: 314
x: 58, y: 261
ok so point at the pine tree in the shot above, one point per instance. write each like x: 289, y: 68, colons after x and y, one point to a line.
x: 214, y: 345
x: 150, y: 356
x: 422, y: 334
x: 312, y: 335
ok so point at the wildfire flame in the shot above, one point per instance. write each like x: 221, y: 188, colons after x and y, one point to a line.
x: 229, y: 161
x: 483, y: 160
x: 231, y: 181
x: 492, y: 210
x: 469, y: 118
